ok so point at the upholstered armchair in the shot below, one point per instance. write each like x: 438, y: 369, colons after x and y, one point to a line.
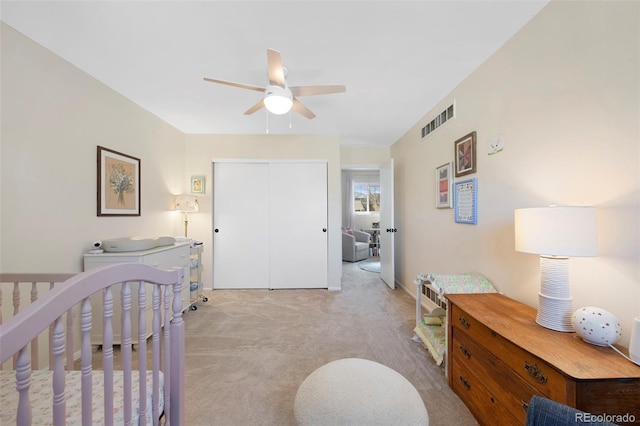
x: 355, y: 245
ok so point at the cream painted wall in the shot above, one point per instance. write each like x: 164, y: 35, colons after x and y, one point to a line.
x: 564, y: 93
x: 361, y: 157
x: 53, y: 117
x: 201, y: 150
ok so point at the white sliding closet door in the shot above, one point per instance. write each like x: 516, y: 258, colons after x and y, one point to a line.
x: 298, y: 225
x: 270, y: 225
x: 241, y: 225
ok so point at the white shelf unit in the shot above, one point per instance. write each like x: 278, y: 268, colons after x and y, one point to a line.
x: 195, y: 276
x: 166, y: 257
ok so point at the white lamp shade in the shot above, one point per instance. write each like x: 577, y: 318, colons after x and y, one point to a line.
x: 187, y: 203
x: 557, y: 231
x: 278, y: 100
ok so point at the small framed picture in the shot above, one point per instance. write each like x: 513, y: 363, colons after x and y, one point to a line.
x: 118, y: 184
x: 197, y: 184
x: 444, y: 182
x: 466, y: 194
x: 465, y: 154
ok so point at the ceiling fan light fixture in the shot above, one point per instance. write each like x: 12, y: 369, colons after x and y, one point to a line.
x: 278, y: 100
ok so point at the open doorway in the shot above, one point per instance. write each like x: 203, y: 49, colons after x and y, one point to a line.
x: 360, y: 198
x: 367, y: 195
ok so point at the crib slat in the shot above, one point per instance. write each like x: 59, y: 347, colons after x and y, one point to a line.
x: 59, y: 406
x: 16, y: 298
x: 16, y: 309
x: 70, y: 342
x: 167, y: 354
x: 50, y: 336
x: 142, y: 349
x: 155, y: 349
x: 35, y: 362
x: 85, y: 361
x: 125, y: 349
x: 177, y: 358
x: 23, y: 383
x: 107, y: 356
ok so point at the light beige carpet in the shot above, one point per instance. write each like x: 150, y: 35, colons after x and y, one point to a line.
x: 247, y: 351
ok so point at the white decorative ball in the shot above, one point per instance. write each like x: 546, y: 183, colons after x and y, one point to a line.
x: 597, y: 326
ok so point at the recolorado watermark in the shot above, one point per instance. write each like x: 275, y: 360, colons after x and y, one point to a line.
x: 601, y: 418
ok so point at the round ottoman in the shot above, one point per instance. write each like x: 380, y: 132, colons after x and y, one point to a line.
x: 358, y: 392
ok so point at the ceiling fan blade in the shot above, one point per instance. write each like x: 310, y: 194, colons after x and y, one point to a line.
x: 274, y: 68
x: 316, y: 90
x: 240, y: 85
x: 255, y: 108
x: 301, y: 109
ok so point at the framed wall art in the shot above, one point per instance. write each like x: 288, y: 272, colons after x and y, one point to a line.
x: 465, y: 154
x: 118, y: 184
x: 444, y: 182
x: 197, y: 184
x: 466, y: 201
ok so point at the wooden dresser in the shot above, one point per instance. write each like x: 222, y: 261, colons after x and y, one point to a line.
x: 498, y: 358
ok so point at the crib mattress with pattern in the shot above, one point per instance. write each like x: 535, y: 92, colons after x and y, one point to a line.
x: 41, y: 396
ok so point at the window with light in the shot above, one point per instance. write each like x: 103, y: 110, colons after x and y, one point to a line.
x: 366, y: 197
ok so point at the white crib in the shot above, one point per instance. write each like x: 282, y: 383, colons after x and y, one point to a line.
x: 55, y: 392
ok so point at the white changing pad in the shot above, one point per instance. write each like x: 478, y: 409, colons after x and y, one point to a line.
x: 457, y: 283
x: 41, y: 393
x: 135, y: 243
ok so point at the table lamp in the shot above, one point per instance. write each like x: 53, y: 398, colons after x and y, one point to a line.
x: 556, y: 233
x: 186, y: 204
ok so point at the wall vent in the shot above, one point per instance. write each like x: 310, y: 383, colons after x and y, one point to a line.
x: 443, y: 117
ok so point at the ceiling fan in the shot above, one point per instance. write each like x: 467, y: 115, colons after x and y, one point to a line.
x: 278, y: 97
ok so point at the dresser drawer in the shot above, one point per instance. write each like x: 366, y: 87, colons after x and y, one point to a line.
x: 485, y: 406
x: 500, y: 380
x: 167, y: 259
x: 544, y: 379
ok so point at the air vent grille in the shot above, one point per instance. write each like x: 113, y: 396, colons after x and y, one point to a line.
x: 443, y: 117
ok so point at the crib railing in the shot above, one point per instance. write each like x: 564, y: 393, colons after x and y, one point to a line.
x: 17, y: 335
x: 26, y: 288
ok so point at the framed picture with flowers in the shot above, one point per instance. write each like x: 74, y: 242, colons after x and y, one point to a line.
x: 118, y: 183
x: 465, y: 155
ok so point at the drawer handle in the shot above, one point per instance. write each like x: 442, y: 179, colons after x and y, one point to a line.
x: 535, y: 372
x: 465, y: 351
x: 464, y: 322
x: 465, y: 383
x: 524, y: 406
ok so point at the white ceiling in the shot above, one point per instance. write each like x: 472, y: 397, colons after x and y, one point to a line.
x: 397, y: 58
